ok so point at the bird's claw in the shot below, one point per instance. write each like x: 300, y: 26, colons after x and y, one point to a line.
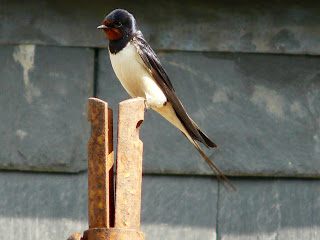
x: 145, y: 106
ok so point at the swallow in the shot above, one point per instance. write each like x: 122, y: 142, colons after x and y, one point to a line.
x: 141, y: 74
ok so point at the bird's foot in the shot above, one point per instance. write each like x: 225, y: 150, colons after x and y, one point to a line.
x: 146, y: 107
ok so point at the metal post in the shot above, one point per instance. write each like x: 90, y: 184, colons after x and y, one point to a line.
x: 129, y: 165
x: 99, y: 164
x: 123, y: 212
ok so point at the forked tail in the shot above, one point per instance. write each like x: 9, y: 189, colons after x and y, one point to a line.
x: 222, y: 178
x: 169, y: 113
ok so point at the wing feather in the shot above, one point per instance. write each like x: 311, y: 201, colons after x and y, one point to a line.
x: 154, y: 66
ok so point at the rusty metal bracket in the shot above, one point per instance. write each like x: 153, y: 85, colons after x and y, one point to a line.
x: 99, y: 164
x: 114, y: 215
x: 129, y: 164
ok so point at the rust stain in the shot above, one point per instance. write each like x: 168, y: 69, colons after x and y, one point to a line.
x: 75, y: 236
x: 98, y: 175
x: 113, y: 234
x: 129, y: 164
x: 105, y: 221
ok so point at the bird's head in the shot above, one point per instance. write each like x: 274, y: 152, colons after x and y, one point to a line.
x: 118, y: 24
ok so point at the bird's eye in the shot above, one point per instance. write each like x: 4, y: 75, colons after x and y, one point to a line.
x: 117, y: 24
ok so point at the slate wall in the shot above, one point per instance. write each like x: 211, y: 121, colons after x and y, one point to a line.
x: 247, y: 72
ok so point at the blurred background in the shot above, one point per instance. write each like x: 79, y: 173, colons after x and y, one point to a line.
x: 248, y: 73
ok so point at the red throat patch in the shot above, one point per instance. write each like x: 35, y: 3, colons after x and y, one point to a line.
x: 112, y: 34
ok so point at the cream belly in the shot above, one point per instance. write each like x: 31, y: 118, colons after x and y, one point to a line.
x: 135, y: 78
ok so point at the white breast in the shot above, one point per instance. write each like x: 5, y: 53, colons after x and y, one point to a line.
x: 135, y: 78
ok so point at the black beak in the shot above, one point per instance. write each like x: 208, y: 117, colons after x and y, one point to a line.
x: 102, y: 27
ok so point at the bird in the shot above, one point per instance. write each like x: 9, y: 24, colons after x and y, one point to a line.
x: 140, y: 72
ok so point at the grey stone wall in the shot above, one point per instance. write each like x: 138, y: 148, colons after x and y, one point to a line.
x: 241, y: 26
x: 247, y: 72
